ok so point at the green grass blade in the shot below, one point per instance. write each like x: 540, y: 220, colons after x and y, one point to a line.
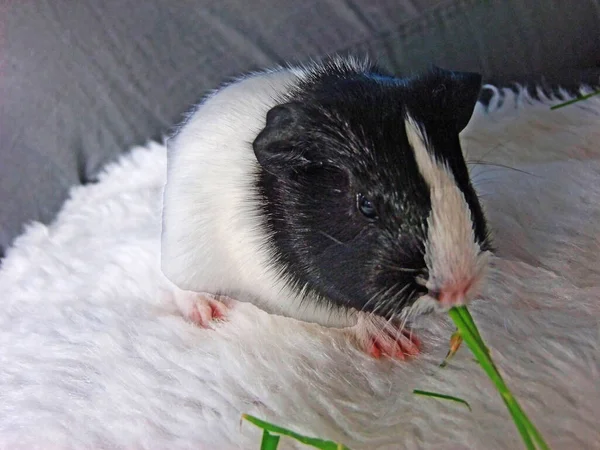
x: 522, y: 428
x: 511, y: 402
x: 442, y: 396
x: 465, y: 314
x: 575, y: 100
x: 313, y: 442
x: 465, y: 324
x: 269, y: 441
x: 470, y: 334
x: 483, y: 357
x: 468, y: 319
x: 534, y: 432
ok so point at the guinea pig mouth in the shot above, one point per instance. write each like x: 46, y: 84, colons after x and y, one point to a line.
x: 457, y: 289
x: 442, y: 300
x: 458, y: 293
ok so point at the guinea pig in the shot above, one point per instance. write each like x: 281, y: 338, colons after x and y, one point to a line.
x: 332, y: 193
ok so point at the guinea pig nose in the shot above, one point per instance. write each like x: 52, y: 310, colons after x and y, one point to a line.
x: 453, y: 295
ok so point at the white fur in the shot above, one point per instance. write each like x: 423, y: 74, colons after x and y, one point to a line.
x: 90, y: 358
x: 451, y: 254
x: 213, y: 240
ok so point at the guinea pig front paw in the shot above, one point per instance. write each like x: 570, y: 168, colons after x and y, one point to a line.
x: 378, y: 337
x: 202, y: 308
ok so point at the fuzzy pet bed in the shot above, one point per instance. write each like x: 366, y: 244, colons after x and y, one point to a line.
x: 91, y: 356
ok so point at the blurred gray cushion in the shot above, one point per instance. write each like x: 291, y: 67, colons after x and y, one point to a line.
x: 84, y: 80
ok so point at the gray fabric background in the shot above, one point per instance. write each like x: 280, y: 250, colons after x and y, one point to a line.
x: 83, y: 80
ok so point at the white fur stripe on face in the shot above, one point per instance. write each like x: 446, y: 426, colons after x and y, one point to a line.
x: 452, y: 255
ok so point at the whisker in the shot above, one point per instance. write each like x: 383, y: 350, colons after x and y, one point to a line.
x: 383, y: 304
x: 504, y: 166
x: 373, y: 297
x: 421, y: 281
x: 392, y: 302
x: 496, y: 147
x: 407, y: 317
x: 402, y: 325
x: 401, y: 269
x: 380, y: 307
x: 337, y: 241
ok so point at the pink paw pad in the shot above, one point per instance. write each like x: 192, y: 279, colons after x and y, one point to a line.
x: 378, y: 337
x: 202, y: 308
x: 205, y: 311
x: 401, y: 346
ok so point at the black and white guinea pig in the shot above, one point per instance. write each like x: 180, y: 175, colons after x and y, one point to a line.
x: 332, y: 193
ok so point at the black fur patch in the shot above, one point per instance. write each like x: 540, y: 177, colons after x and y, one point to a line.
x: 340, y: 134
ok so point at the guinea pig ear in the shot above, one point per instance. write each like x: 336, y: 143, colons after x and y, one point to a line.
x: 456, y: 93
x: 276, y: 145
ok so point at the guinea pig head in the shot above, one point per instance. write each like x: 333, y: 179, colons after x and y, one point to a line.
x: 366, y: 194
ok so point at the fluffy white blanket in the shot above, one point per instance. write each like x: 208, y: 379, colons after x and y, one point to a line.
x: 91, y: 358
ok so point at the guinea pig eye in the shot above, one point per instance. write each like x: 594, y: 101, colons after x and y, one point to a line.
x: 366, y: 207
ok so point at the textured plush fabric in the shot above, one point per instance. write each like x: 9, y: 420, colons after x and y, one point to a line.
x: 92, y: 357
x: 82, y: 80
